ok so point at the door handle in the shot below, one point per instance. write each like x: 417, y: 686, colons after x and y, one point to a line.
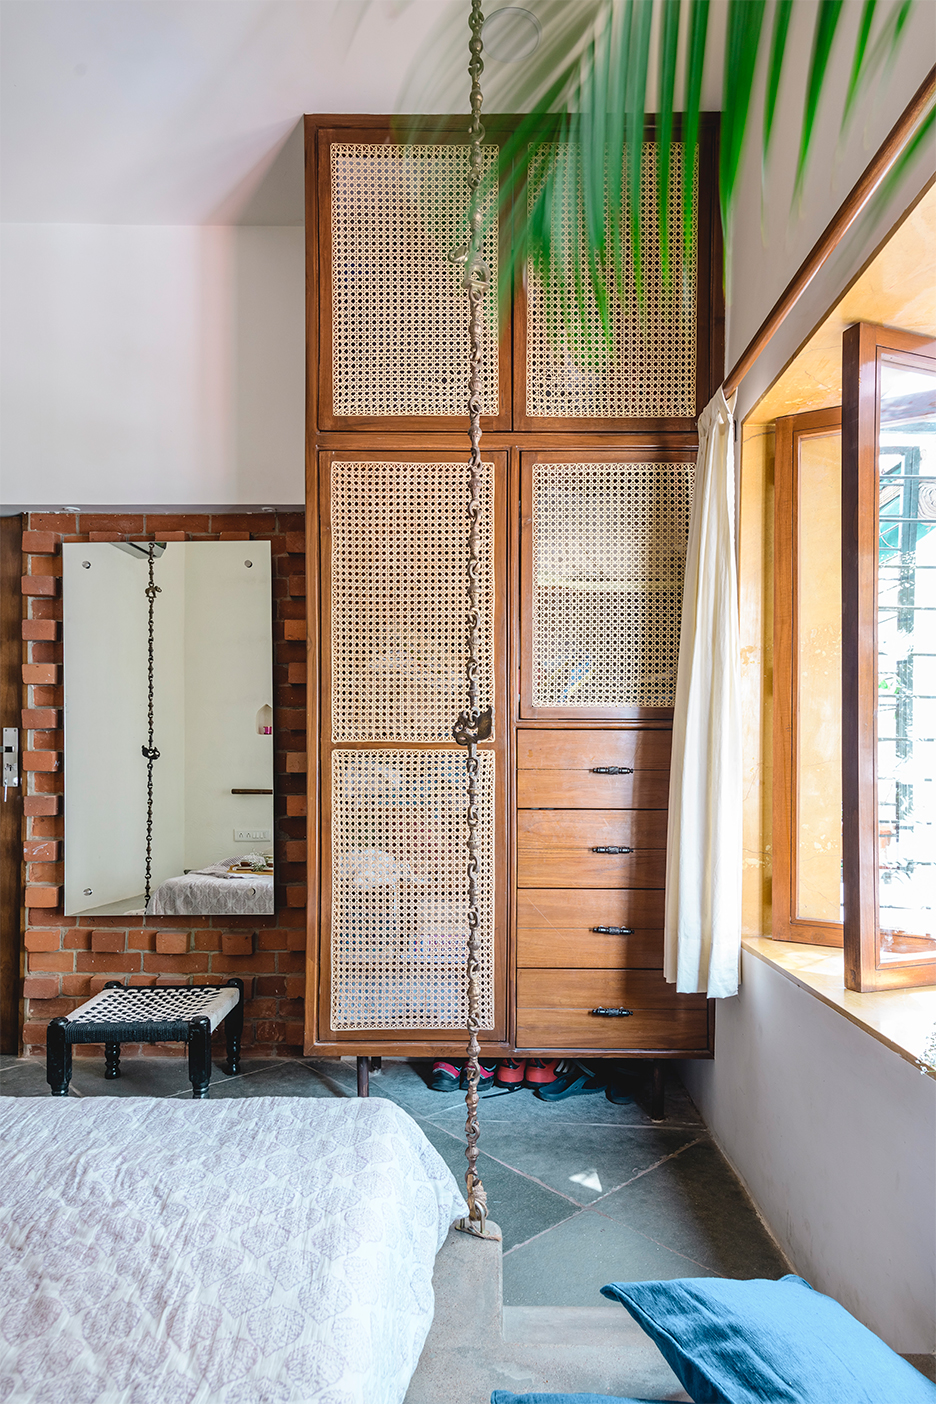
x: 614, y: 930
x: 612, y: 1013
x: 611, y: 848
x: 612, y: 770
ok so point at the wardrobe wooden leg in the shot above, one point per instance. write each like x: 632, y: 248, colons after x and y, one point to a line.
x: 657, y: 1092
x: 375, y: 1064
x: 363, y: 1077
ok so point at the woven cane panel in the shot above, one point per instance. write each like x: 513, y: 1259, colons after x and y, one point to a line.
x: 399, y: 599
x: 399, y: 889
x: 399, y: 312
x: 649, y: 370
x: 609, y: 557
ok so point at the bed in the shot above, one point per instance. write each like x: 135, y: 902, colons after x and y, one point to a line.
x: 215, y: 891
x: 267, y: 1250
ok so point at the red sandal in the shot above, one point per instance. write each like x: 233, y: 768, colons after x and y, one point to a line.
x: 510, y: 1074
x: 540, y: 1072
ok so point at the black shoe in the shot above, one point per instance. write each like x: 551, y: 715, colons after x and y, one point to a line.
x: 486, y: 1079
x: 446, y: 1076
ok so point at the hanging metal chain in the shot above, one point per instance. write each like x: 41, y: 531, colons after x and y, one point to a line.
x: 149, y: 750
x: 473, y: 724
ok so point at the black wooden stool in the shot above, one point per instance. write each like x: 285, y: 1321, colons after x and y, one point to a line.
x: 149, y: 1014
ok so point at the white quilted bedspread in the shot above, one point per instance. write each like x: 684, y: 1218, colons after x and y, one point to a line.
x: 270, y: 1250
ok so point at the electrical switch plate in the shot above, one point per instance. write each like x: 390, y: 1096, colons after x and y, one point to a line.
x: 10, y: 756
x: 248, y: 835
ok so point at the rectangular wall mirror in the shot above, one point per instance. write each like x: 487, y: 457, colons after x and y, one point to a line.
x: 183, y: 672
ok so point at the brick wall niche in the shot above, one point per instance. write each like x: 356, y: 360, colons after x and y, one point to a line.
x: 70, y: 958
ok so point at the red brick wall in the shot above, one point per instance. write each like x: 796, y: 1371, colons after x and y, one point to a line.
x: 69, y: 958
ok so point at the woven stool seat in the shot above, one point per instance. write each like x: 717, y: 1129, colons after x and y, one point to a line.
x: 149, y: 1014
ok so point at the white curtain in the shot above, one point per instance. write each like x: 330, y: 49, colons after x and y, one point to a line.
x: 702, y: 941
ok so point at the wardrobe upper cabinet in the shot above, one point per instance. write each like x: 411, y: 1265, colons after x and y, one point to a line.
x: 392, y: 313
x: 388, y: 314
x: 663, y: 359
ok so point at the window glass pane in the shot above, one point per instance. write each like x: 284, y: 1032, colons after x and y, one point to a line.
x: 818, y: 663
x: 907, y: 663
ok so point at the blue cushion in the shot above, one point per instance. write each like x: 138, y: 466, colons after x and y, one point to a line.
x: 500, y: 1396
x: 732, y: 1342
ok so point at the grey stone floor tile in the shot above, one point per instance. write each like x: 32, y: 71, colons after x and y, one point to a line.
x: 568, y: 1265
x: 695, y: 1205
x: 283, y: 1078
x: 594, y: 1109
x: 519, y: 1205
x: 599, y: 1157
x: 10, y: 1060
x: 24, y: 1078
x: 139, y: 1077
x: 406, y: 1083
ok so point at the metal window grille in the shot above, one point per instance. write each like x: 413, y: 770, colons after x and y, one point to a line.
x: 399, y: 889
x: 398, y: 601
x: 400, y: 335
x: 609, y: 557
x: 650, y: 369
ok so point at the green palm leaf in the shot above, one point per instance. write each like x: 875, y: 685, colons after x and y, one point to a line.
x: 783, y: 11
x: 695, y: 63
x: 576, y: 154
x: 870, y: 60
x: 745, y: 20
x: 826, y: 24
x: 669, y: 46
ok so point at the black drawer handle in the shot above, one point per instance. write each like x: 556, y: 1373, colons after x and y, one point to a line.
x: 612, y: 770
x: 614, y: 930
x: 611, y: 848
x: 613, y: 1013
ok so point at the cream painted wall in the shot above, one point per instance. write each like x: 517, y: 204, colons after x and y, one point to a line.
x: 154, y: 365
x: 833, y: 1135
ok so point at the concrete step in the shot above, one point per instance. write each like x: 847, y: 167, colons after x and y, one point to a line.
x: 476, y: 1345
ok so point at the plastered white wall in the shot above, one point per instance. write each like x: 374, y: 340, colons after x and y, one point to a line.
x: 152, y: 365
x: 835, y: 1137
x: 770, y: 237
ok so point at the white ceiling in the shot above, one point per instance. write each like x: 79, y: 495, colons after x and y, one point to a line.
x: 174, y: 111
x: 181, y: 111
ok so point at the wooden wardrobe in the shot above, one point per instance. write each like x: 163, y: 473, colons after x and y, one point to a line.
x: 587, y: 492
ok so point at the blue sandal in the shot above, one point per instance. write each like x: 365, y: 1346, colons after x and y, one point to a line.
x: 579, y: 1081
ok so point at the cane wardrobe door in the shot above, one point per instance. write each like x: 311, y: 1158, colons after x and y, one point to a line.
x: 603, y: 556
x: 394, y: 889
x: 392, y: 338
x: 663, y: 359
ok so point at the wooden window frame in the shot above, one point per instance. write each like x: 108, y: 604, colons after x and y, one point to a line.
x: 862, y: 345
x: 787, y: 926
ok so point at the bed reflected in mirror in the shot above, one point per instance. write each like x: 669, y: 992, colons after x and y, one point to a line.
x: 168, y: 677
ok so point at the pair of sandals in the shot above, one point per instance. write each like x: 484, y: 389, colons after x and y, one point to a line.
x: 582, y: 1079
x: 551, y: 1080
x: 508, y: 1075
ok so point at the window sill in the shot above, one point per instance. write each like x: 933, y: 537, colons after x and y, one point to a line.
x: 903, y: 1020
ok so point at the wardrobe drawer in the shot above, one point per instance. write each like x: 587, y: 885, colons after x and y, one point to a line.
x: 581, y: 789
x: 556, y: 928
x: 554, y: 1011
x: 583, y: 750
x: 555, y: 848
